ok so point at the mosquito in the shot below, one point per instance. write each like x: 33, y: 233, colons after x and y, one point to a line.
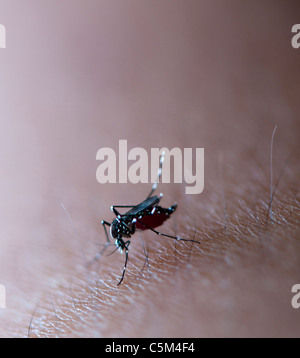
x: 147, y: 215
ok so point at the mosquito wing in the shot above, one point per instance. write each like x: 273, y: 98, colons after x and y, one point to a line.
x: 144, y: 205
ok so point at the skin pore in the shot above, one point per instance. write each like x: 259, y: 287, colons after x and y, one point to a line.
x: 193, y: 74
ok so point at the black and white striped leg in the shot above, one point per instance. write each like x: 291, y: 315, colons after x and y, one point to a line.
x: 126, y: 260
x: 170, y: 236
x: 108, y: 243
x: 116, y: 212
x: 104, y: 224
x: 154, y: 186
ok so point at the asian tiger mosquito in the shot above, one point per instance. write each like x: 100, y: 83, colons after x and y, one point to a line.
x: 144, y: 216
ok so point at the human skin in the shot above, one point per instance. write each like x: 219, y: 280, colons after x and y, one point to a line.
x: 193, y: 74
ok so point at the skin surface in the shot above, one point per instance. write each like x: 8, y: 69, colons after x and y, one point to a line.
x: 79, y: 76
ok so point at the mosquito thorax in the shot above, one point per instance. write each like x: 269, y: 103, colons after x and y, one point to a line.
x: 119, y: 230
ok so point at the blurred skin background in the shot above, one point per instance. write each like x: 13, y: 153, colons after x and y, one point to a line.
x: 77, y: 76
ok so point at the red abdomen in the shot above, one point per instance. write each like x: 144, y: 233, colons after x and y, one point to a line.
x: 159, y: 216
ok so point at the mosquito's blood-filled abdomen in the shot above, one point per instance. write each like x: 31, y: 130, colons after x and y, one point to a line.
x: 158, y: 216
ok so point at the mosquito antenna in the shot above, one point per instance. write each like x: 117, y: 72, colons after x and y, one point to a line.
x: 99, y: 254
x: 108, y: 243
x: 113, y: 251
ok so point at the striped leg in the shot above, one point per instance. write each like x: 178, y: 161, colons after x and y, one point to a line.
x: 154, y: 186
x: 126, y: 260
